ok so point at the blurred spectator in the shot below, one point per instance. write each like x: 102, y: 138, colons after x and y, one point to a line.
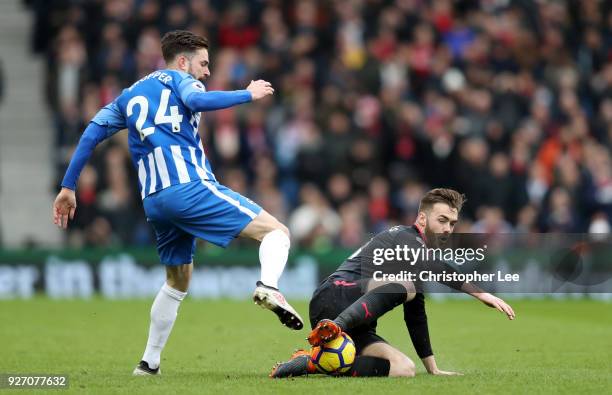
x: 526, y: 221
x: 313, y: 223
x: 352, y: 231
x: 509, y: 102
x: 558, y: 215
x: 339, y: 190
x: 379, y: 204
x: 491, y: 221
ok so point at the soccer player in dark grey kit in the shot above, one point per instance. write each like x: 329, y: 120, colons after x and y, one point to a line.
x: 352, y: 300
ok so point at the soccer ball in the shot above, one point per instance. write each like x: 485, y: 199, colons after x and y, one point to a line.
x: 336, y: 356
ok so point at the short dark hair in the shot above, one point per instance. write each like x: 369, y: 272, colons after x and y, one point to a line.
x: 181, y: 41
x: 442, y: 195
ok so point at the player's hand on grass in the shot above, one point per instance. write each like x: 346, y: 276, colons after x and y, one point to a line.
x: 432, y: 368
x: 439, y: 372
x: 64, y: 207
x: 497, y: 303
x: 260, y: 89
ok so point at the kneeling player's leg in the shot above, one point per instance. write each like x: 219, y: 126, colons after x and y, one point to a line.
x: 399, y: 364
x: 378, y: 300
x: 274, y: 247
x: 165, y: 310
x: 299, y: 364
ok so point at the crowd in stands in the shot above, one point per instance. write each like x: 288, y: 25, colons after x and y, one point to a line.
x: 376, y: 101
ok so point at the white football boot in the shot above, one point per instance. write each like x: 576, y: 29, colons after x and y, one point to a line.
x: 271, y: 299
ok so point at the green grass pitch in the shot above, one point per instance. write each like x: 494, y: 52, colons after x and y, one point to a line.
x: 229, y: 347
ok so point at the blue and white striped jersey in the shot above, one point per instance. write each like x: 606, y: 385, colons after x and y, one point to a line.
x: 162, y: 130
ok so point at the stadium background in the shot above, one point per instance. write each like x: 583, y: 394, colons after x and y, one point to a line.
x: 376, y: 101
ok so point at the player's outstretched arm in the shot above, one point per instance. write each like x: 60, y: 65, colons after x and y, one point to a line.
x: 471, y: 289
x: 64, y: 205
x: 197, y: 99
x: 489, y: 300
x: 415, y: 318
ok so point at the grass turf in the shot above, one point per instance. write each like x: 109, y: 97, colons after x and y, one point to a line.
x: 229, y: 347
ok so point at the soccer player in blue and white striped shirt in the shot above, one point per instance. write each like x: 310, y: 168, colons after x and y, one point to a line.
x: 181, y: 196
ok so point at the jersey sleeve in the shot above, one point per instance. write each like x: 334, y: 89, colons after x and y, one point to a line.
x: 111, y: 118
x: 93, y: 135
x: 415, y: 318
x: 108, y: 121
x: 193, y: 93
x: 189, y: 85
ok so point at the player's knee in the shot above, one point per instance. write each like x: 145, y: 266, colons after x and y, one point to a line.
x: 283, y: 229
x: 402, y: 366
x: 275, y: 225
x: 263, y: 225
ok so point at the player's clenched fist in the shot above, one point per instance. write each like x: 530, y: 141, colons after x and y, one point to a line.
x: 260, y: 88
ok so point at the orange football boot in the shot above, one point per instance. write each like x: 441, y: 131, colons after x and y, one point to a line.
x: 298, y: 365
x: 325, y: 331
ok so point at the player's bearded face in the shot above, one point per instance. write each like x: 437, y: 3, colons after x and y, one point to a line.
x: 439, y: 223
x: 198, y: 65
